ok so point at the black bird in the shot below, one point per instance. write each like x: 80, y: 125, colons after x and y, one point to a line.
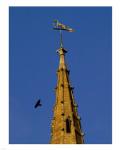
x: 38, y: 104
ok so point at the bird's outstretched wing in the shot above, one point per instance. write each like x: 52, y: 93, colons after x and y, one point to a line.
x: 38, y: 104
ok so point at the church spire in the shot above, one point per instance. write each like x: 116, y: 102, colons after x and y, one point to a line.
x: 66, y: 126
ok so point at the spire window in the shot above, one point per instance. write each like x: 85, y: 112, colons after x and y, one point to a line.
x: 68, y: 125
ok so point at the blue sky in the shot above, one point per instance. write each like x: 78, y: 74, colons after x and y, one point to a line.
x: 34, y: 62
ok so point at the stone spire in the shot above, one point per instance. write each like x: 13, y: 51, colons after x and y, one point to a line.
x: 62, y: 52
x: 65, y: 126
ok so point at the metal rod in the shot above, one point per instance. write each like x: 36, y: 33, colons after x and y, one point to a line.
x: 61, y: 40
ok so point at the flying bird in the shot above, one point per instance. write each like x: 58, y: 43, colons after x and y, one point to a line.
x: 38, y: 104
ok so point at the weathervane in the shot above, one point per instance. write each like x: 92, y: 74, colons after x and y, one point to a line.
x: 59, y: 26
